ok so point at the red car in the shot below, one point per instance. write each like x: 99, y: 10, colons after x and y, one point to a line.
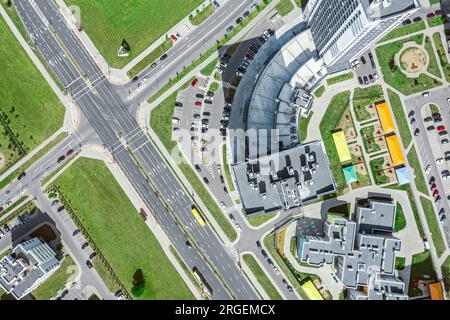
x: 1, y: 209
x: 433, y: 187
x: 431, y: 15
x: 250, y: 56
x: 173, y: 38
x: 441, y: 128
x: 198, y: 103
x: 69, y: 153
x: 194, y: 82
x: 436, y: 194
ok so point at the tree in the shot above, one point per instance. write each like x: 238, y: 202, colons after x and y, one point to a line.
x: 138, y: 283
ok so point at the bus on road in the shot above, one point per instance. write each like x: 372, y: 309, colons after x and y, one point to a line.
x: 198, y: 216
x: 206, y: 289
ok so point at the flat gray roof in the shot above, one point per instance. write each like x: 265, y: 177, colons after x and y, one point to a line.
x: 282, y: 181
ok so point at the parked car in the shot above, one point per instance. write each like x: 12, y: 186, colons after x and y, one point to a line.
x: 75, y: 232
x: 194, y: 82
x: 198, y: 103
x: 411, y: 113
x: 89, y: 264
x: 416, y: 132
x: 406, y: 22
x: 444, y: 141
x: 92, y: 255
x: 425, y: 94
x: 441, y: 128
x: 163, y: 57
x: 417, y: 19
x: 231, y: 217
x: 258, y: 244
x: 206, y: 180
x: 264, y: 253
x: 61, y: 159
x: 431, y: 128
x: 428, y: 119
x: 21, y: 176
x: 238, y: 227
x: 84, y: 245
x: 178, y: 104
x: 443, y: 133
x: 69, y: 153
x: 188, y: 244
x: 431, y: 15
x: 239, y: 20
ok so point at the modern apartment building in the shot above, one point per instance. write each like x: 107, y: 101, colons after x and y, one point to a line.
x: 29, y: 264
x: 343, y: 29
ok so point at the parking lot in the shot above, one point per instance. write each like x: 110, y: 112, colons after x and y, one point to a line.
x: 365, y: 69
x: 432, y: 147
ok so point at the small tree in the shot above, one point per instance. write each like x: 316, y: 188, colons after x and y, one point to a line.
x: 138, y: 283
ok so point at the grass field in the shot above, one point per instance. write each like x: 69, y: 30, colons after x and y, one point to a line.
x: 400, y: 221
x: 202, y: 15
x: 433, y: 224
x: 115, y: 227
x: 139, y: 22
x: 303, y: 126
x: 335, y: 109
x: 433, y: 66
x: 404, y: 30
x: 259, y: 219
x: 394, y: 76
x: 446, y: 273
x: 441, y: 54
x: 208, y: 70
x: 421, y: 268
x: 261, y: 276
x: 28, y: 106
x: 284, y: 7
x: 227, y: 170
x: 419, y: 179
x: 57, y: 280
x: 320, y: 91
x: 340, y: 78
x: 400, y: 118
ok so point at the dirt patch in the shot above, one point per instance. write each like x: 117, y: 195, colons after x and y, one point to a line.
x: 413, y: 60
x: 45, y: 232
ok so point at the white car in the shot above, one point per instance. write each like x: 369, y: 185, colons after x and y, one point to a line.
x: 175, y: 120
x: 238, y: 227
x: 448, y: 101
x: 239, y: 74
x: 277, y: 272
x: 222, y: 204
x: 186, y: 27
x: 428, y: 169
x: 8, y: 203
x: 440, y: 160
x: 425, y: 94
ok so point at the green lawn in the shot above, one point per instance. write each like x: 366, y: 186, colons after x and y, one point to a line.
x: 258, y: 219
x: 208, y: 70
x: 400, y: 263
x: 433, y: 224
x: 57, y: 280
x: 400, y: 221
x: 404, y: 30
x: 117, y: 230
x: 261, y: 276
x: 373, y: 92
x: 202, y: 15
x: 400, y: 117
x: 419, y: 179
x: 436, y: 21
x: 303, y: 126
x: 284, y: 7
x: 340, y: 78
x: 152, y: 56
x: 421, y: 269
x: 214, y: 87
x: 433, y: 66
x: 446, y: 273
x: 320, y: 91
x: 139, y: 22
x: 28, y: 106
x: 440, y: 48
x: 394, y: 76
x: 412, y: 202
x: 335, y: 109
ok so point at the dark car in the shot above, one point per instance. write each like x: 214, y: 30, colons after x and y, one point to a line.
x: 246, y: 14
x: 431, y: 181
x: 413, y: 121
x: 135, y: 79
x: 199, y: 95
x: 361, y: 82
x: 416, y: 132
x: 225, y: 190
x: 366, y: 81
x: 69, y: 153
x: 258, y: 244
x: 231, y: 217
x: 417, y: 19
x: 428, y: 119
x: 431, y: 128
x: 64, y: 293
x: 436, y: 115
x: 208, y: 101
x: 61, y: 159
x: 163, y: 57
x: 222, y: 180
x: 84, y: 245
x: 229, y: 29
x: 431, y: 15
x: 363, y: 60
x: 269, y: 261
x: 7, y: 228
x: 411, y: 113
x: 178, y: 104
x: 206, y: 180
x: 197, y: 167
x: 206, y: 114
x: 444, y: 141
x: 438, y: 12
x: 22, y: 175
x: 442, y: 133
x: 406, y: 22
x: 60, y: 209
x: 188, y: 244
x: 92, y: 255
x: 89, y: 264
x: 55, y: 202
x: 264, y: 253
x: 239, y: 20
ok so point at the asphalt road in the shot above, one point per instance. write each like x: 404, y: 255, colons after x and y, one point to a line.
x: 108, y: 116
